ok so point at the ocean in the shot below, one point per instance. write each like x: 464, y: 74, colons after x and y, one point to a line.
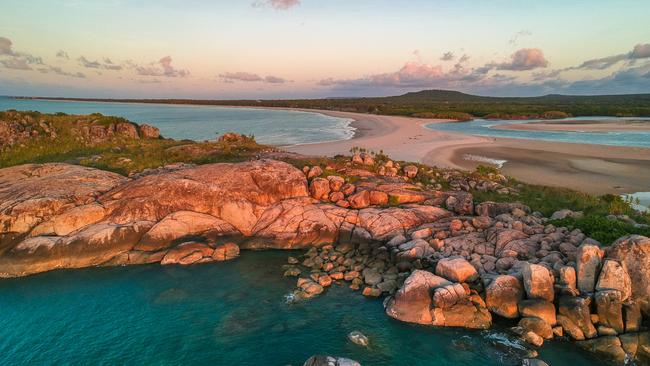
x: 226, y: 313
x: 273, y: 127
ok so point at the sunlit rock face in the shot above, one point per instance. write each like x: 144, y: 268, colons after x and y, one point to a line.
x: 66, y: 216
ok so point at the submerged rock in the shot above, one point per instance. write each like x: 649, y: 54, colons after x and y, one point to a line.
x: 358, y: 338
x: 320, y: 360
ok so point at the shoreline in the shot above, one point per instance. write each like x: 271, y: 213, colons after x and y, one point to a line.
x: 579, y: 126
x: 594, y: 169
x: 590, y: 168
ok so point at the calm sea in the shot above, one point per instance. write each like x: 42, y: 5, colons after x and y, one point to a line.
x: 229, y: 313
x: 274, y: 127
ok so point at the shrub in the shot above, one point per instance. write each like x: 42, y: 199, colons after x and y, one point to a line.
x: 602, y: 229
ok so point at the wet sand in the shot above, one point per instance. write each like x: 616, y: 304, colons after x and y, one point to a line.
x: 593, y: 169
x: 596, y: 169
x: 402, y: 138
x: 580, y: 126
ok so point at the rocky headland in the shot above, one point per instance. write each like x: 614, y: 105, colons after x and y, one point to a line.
x: 415, y: 235
x: 439, y: 259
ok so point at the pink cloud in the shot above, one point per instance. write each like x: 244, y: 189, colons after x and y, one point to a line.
x: 240, y: 76
x: 162, y: 68
x: 16, y: 64
x: 524, y: 59
x: 412, y: 73
x: 5, y: 46
x: 277, y: 4
x: 230, y: 77
x: 641, y: 51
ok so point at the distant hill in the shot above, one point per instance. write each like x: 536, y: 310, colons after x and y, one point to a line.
x: 449, y: 104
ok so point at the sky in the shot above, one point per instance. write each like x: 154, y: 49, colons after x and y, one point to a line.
x: 322, y: 48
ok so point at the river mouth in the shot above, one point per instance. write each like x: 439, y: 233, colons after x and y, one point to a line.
x: 226, y: 313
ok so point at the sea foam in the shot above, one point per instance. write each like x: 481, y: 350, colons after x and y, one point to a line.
x: 484, y: 159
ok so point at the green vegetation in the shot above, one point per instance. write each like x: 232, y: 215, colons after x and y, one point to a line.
x: 595, y: 224
x: 119, y: 153
x: 602, y: 229
x: 458, y: 116
x: 453, y: 104
x: 61, y: 138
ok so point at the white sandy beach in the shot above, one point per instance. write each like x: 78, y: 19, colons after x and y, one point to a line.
x: 594, y: 169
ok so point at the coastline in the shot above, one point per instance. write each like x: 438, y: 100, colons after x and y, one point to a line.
x: 595, y: 169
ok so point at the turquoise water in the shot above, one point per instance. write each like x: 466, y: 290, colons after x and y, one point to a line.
x: 231, y: 313
x: 483, y: 127
x: 274, y: 127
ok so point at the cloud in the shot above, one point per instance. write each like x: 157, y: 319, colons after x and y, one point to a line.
x: 412, y: 74
x: 240, y: 76
x: 601, y: 63
x: 162, y: 68
x: 89, y: 64
x: 640, y: 51
x: 276, y: 4
x: 447, y: 56
x: 16, y: 63
x: 514, y: 41
x: 148, y: 81
x: 57, y: 70
x: 5, y: 47
x: 230, y: 77
x: 523, y: 60
x: 17, y: 60
x: 459, y: 66
x: 62, y: 54
x: 545, y: 75
x: 107, y: 64
x: 274, y: 80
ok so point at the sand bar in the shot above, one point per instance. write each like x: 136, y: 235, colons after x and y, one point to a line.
x: 594, y: 169
x: 580, y: 126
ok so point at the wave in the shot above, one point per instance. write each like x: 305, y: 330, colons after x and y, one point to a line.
x: 484, y: 159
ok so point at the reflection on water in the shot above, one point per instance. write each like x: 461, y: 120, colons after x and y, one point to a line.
x: 483, y: 127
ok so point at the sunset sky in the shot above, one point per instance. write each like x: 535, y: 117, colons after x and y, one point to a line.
x: 319, y: 48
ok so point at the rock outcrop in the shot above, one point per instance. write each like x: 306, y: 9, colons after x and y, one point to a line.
x: 506, y: 261
x: 633, y: 252
x: 66, y: 216
x: 503, y: 295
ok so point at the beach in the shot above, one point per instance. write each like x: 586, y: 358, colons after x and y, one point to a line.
x: 596, y: 169
x: 580, y: 126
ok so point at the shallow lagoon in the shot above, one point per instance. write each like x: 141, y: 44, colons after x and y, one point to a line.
x: 231, y: 313
x: 482, y: 127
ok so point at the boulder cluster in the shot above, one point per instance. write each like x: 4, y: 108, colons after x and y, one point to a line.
x: 593, y: 296
x: 363, y: 266
x: 442, y: 260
